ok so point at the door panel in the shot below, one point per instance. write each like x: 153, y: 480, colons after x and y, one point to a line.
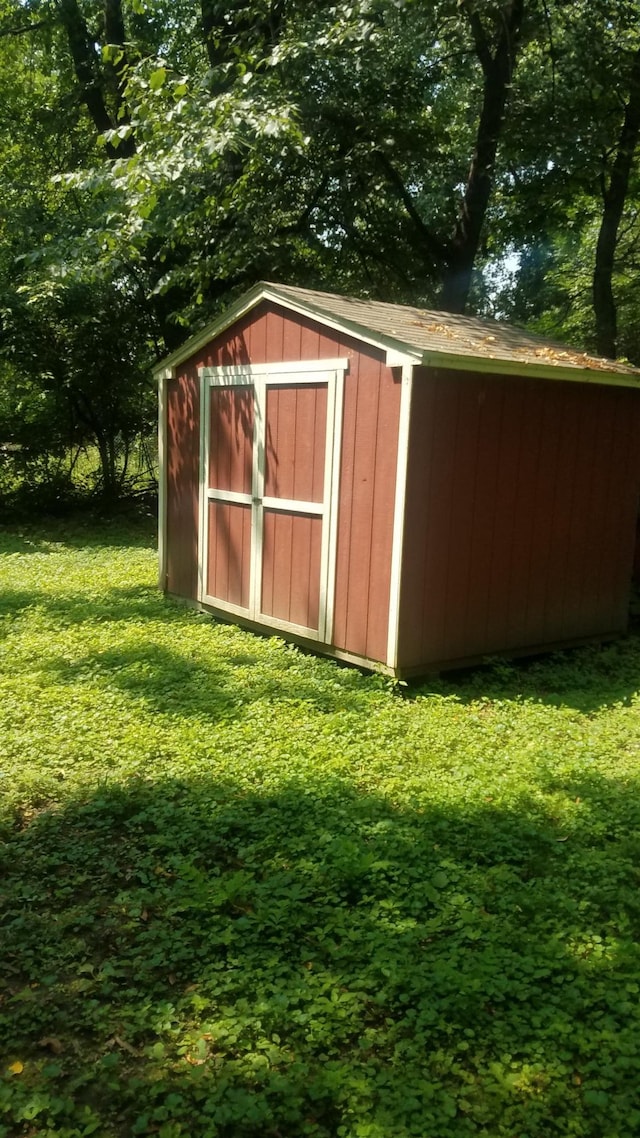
x: 294, y: 462
x: 291, y: 567
x: 296, y: 432
x: 231, y: 438
x: 228, y: 514
x: 229, y: 563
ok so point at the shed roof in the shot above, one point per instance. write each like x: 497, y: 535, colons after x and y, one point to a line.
x: 425, y: 336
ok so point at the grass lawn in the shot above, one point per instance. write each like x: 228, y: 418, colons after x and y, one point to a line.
x: 248, y: 893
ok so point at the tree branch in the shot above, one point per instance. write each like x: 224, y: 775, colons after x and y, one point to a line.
x: 299, y: 226
x: 115, y: 34
x: 24, y: 29
x: 436, y: 249
x: 86, y: 63
x: 480, y: 38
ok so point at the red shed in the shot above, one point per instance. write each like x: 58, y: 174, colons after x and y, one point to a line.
x: 403, y: 489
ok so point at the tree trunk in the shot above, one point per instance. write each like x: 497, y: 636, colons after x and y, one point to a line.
x: 107, y: 455
x: 88, y: 71
x: 498, y: 68
x: 615, y: 195
x: 115, y: 33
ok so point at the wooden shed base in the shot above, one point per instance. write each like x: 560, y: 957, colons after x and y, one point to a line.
x: 527, y: 652
x: 432, y: 668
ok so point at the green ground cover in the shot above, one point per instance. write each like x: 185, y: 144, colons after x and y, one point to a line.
x: 246, y: 892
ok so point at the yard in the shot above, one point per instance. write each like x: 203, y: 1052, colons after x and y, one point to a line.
x: 248, y: 893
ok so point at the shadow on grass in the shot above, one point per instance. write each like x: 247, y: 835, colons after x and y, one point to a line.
x: 169, y: 681
x: 79, y: 532
x: 587, y: 678
x: 137, y: 602
x: 202, y: 958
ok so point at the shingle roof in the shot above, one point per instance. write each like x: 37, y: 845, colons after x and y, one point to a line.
x: 421, y: 335
x: 427, y: 331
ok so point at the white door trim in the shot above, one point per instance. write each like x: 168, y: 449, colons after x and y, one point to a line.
x: 301, y: 367
x: 203, y: 526
x: 259, y: 376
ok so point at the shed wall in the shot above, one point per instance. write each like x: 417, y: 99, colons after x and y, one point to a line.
x: 520, y: 514
x: 269, y: 334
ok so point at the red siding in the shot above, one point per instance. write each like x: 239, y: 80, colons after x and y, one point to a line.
x: 182, y: 466
x: 521, y: 500
x: 231, y: 439
x: 291, y: 567
x: 295, y: 447
x: 269, y: 334
x: 229, y: 562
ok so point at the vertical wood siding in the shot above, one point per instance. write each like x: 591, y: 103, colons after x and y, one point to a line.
x: 365, y: 526
x: 291, y: 567
x: 521, y: 502
x: 183, y: 458
x: 229, y: 561
x: 269, y: 334
x: 296, y: 423
x: 231, y: 438
x: 296, y: 420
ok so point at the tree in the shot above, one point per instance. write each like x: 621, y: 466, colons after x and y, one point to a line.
x: 567, y: 199
x: 469, y: 155
x: 614, y: 196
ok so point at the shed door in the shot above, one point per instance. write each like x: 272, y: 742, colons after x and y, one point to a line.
x: 228, y: 462
x: 270, y: 488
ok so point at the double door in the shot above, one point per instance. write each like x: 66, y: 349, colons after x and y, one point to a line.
x: 268, y: 493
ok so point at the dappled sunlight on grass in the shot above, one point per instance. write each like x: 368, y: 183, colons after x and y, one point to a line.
x: 249, y: 893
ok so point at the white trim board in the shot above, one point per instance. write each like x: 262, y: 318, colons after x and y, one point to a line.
x: 302, y: 367
x: 294, y: 505
x: 399, y: 510
x: 163, y: 380
x: 522, y: 369
x: 400, y: 352
x: 233, y: 497
x: 335, y: 410
x: 203, y: 505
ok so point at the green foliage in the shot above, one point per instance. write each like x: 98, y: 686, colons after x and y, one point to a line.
x: 79, y: 366
x: 248, y: 892
x: 157, y: 158
x: 76, y: 336
x: 557, y: 159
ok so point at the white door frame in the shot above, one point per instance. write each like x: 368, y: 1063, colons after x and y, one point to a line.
x: 260, y: 377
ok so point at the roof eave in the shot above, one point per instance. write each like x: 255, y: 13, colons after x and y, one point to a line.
x: 396, y: 353
x: 497, y: 366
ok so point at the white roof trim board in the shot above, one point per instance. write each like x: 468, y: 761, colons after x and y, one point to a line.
x: 410, y: 335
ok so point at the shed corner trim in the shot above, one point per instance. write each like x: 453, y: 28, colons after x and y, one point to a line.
x: 399, y: 510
